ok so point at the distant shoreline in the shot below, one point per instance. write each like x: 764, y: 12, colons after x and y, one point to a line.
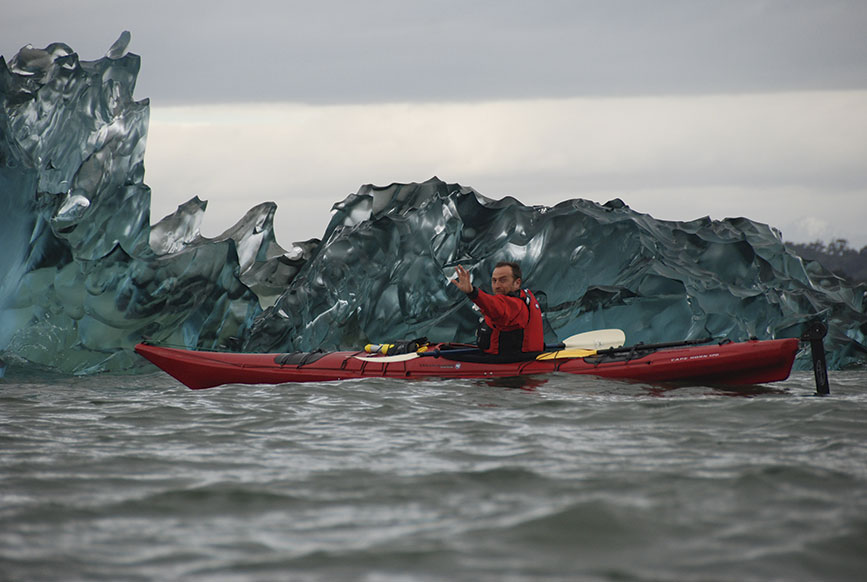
x: 836, y: 256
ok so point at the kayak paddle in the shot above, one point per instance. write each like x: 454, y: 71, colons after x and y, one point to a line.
x: 599, y: 339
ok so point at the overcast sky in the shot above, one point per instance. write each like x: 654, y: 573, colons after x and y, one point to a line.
x: 680, y: 108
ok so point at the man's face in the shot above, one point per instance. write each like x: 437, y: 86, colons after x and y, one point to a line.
x: 503, y: 281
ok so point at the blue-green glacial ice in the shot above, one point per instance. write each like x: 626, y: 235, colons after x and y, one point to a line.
x: 84, y: 275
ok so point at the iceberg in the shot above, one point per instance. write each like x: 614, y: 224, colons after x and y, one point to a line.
x: 81, y: 281
x: 381, y: 273
x: 84, y: 275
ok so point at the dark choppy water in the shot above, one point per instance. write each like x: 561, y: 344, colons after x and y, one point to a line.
x: 577, y: 478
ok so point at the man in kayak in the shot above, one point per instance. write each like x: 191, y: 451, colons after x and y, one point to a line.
x: 513, y: 319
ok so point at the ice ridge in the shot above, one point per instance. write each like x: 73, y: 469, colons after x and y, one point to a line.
x: 381, y: 273
x: 84, y: 276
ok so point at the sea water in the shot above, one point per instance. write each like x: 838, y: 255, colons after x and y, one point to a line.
x: 560, y: 478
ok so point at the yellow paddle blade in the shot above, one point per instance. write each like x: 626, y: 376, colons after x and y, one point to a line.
x: 567, y: 353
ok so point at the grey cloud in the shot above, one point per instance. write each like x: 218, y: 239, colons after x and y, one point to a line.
x: 360, y: 52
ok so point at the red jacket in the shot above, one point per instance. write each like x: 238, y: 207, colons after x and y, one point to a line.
x: 515, y: 321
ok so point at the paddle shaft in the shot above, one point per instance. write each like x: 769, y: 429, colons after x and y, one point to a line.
x: 643, y: 347
x: 595, y: 340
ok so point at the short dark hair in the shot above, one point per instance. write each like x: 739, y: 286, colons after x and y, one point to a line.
x: 516, y: 268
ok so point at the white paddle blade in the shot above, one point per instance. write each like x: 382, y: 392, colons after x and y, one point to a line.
x: 600, y: 339
x: 387, y: 359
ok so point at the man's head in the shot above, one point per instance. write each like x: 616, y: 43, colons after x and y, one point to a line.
x: 506, y: 278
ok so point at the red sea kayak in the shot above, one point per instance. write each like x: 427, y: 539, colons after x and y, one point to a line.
x: 721, y: 364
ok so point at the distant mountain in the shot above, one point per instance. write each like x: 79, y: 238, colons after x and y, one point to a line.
x: 836, y: 256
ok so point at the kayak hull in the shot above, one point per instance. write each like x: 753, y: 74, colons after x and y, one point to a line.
x: 723, y: 364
